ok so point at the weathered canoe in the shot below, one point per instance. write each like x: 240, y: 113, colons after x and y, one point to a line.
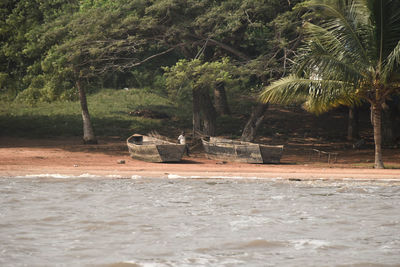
x: 152, y: 149
x: 231, y: 150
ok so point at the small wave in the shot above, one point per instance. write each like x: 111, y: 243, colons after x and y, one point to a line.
x: 176, y: 176
x: 258, y: 243
x: 52, y: 219
x: 66, y: 176
x: 368, y: 264
x: 122, y: 264
x: 246, y: 222
x: 278, y: 197
x: 88, y: 175
x: 236, y: 177
x: 46, y: 175
x: 309, y: 243
x: 114, y: 176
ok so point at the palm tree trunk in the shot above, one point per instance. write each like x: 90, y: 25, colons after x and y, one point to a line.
x: 88, y: 133
x: 377, y: 124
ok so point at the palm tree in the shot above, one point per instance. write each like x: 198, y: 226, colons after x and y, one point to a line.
x: 351, y: 55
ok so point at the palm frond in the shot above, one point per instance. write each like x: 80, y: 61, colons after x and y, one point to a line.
x: 319, y: 106
x: 319, y: 95
x: 290, y: 89
x: 386, y: 15
x: 341, y: 19
x: 391, y: 62
x: 331, y: 42
x: 340, y: 59
x: 317, y: 59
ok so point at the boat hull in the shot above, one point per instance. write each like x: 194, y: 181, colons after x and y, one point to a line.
x: 153, y: 150
x: 230, y: 150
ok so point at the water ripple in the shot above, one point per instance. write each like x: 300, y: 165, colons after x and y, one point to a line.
x: 90, y: 221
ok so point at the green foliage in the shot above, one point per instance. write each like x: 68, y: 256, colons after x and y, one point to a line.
x: 103, y: 41
x: 49, y: 46
x: 347, y: 58
x: 86, y: 5
x: 186, y: 76
x: 20, y: 32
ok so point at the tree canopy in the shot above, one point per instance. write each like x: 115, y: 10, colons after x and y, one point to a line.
x: 116, y: 36
x: 49, y: 49
x: 350, y: 55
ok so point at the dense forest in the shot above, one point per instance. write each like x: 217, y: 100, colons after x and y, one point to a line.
x: 195, y: 53
x: 190, y: 49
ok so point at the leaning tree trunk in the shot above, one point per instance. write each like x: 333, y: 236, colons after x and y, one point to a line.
x: 352, y: 127
x: 376, y: 114
x: 210, y: 115
x: 256, y: 118
x: 196, y: 111
x: 220, y: 99
x: 88, y: 133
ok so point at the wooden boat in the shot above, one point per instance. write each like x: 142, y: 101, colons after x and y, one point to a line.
x: 231, y: 150
x: 153, y: 149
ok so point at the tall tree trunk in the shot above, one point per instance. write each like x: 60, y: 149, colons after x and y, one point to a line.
x: 390, y: 123
x: 352, y: 127
x: 196, y: 111
x: 210, y: 115
x: 256, y: 118
x: 396, y: 121
x: 376, y: 111
x: 88, y: 133
x: 221, y: 102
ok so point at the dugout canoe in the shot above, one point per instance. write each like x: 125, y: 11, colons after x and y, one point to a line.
x: 152, y: 149
x: 239, y: 151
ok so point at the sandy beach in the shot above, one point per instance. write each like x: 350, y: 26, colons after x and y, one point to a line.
x: 68, y: 156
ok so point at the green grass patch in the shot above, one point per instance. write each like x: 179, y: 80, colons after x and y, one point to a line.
x: 392, y: 166
x: 111, y: 113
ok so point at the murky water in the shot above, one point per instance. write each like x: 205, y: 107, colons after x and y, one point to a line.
x: 198, y: 222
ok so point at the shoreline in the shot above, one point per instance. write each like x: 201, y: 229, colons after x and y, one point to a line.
x: 68, y: 157
x: 184, y: 176
x: 289, y: 176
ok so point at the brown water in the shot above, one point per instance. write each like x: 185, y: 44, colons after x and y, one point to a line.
x: 198, y: 222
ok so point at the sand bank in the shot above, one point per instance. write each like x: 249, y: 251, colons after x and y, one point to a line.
x: 68, y: 157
